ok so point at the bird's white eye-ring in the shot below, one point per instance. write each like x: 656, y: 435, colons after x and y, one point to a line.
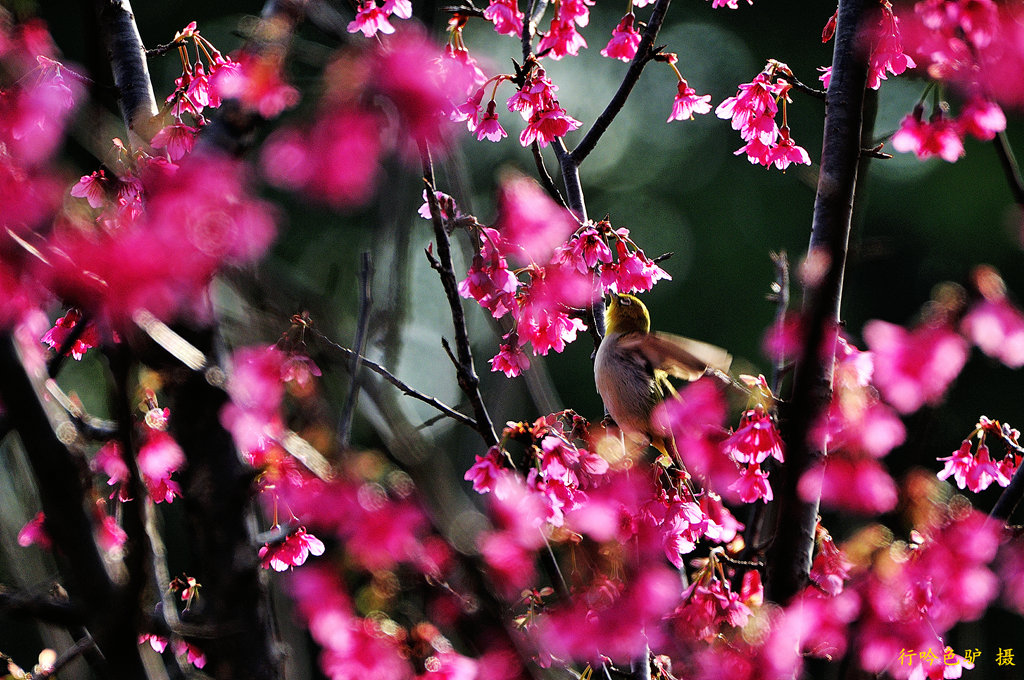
x: 625, y: 301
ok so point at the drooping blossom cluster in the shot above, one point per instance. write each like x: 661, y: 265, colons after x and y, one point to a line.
x: 372, y: 19
x: 534, y: 99
x: 566, y: 266
x: 943, y: 136
x: 753, y: 109
x: 975, y: 469
x: 337, y: 158
x: 975, y: 45
x: 562, y: 39
x: 195, y: 90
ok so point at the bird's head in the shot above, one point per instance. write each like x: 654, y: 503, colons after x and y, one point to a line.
x: 626, y: 314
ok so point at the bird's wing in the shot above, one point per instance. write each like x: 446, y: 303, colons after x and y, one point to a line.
x: 680, y: 357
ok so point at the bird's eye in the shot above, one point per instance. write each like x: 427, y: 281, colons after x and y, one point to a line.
x: 625, y: 301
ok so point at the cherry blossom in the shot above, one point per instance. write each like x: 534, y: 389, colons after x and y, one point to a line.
x: 290, y: 552
x: 624, y: 41
x: 687, y: 102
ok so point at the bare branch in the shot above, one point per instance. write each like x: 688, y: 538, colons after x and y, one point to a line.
x: 1010, y: 167
x: 405, y: 389
x: 644, y: 54
x: 466, y: 372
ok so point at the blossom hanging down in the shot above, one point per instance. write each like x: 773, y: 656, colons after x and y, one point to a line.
x: 753, y: 109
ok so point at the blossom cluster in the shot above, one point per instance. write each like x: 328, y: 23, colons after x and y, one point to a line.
x: 566, y: 265
x: 753, y: 109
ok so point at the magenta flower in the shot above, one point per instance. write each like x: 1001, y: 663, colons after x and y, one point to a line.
x: 34, y: 531
x: 914, y: 368
x: 633, y: 272
x: 160, y: 457
x: 91, y: 188
x: 997, y: 328
x: 624, y: 41
x: 370, y: 19
x: 752, y: 101
x: 489, y: 127
x: 959, y: 464
x: 938, y: 137
x: 752, y: 484
x: 510, y: 360
x: 584, y: 251
x: 531, y: 224
x: 755, y: 440
x: 850, y: 482
x: 291, y: 552
x: 544, y: 126
x: 886, y: 48
x: 486, y: 471
x: 577, y: 11
x: 505, y: 16
x: 981, y: 118
x: 55, y: 337
x: 255, y: 82
x: 562, y: 39
x: 177, y: 138
x: 400, y: 8
x: 687, y: 102
x: 536, y: 94
x: 731, y: 4
x: 787, y: 152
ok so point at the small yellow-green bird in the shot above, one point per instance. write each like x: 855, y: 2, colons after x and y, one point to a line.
x: 632, y: 365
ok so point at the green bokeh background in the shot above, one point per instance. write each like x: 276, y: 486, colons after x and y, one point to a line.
x: 677, y: 187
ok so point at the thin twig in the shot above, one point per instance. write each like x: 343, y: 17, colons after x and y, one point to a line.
x: 644, y: 54
x: 405, y: 389
x: 365, y: 300
x: 466, y: 373
x: 39, y: 607
x: 1010, y: 167
x: 67, y: 656
x: 801, y: 87
x: 545, y: 176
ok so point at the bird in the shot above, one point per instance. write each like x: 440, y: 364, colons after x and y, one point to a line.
x: 633, y: 364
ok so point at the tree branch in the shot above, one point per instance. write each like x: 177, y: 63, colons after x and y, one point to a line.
x: 644, y: 53
x: 1010, y: 167
x: 405, y: 389
x: 127, y: 58
x: 789, y: 555
x: 467, y: 378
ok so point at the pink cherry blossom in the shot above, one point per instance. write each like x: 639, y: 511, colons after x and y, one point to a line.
x: 510, y: 360
x: 160, y: 457
x: 755, y: 440
x: 62, y: 328
x: 545, y: 126
x: 34, y: 532
x: 914, y: 368
x: 981, y: 118
x: 687, y: 102
x: 887, y: 53
x: 624, y: 41
x: 787, y: 152
x: 255, y: 82
x: 938, y: 137
x: 997, y: 328
x: 530, y: 222
x: 850, y: 482
x: 489, y: 127
x: 291, y: 552
x: 91, y: 188
x: 505, y: 16
x: 486, y: 471
x: 562, y: 39
x: 752, y: 484
x: 370, y: 19
x: 632, y: 272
